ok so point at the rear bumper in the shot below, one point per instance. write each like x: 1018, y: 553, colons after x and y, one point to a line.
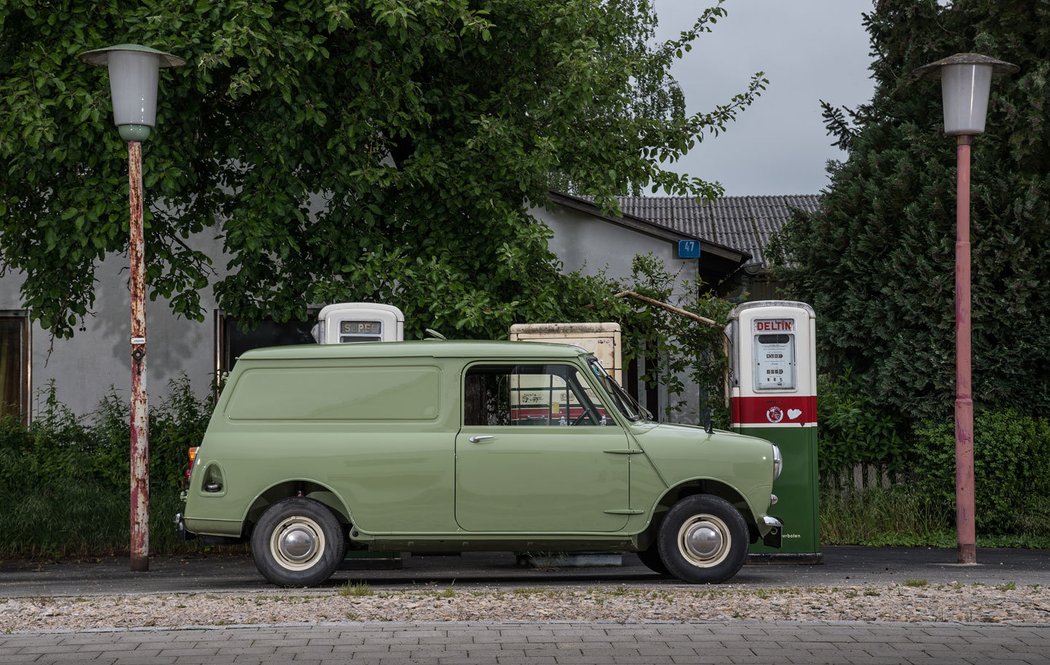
x: 180, y: 529
x: 207, y: 539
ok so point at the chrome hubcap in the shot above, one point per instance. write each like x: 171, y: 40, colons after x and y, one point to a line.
x: 297, y: 543
x: 704, y: 540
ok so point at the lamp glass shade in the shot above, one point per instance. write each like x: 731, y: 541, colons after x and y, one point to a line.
x: 133, y: 77
x: 965, y: 90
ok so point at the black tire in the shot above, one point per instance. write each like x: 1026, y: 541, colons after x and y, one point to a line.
x: 298, y: 542
x: 651, y: 559
x: 703, y: 540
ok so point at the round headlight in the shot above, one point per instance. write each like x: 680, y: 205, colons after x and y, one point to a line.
x: 778, y: 462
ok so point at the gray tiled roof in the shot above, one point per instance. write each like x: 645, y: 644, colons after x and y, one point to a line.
x: 745, y: 223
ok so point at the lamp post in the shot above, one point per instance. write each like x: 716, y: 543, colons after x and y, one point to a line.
x: 965, y: 82
x: 133, y: 74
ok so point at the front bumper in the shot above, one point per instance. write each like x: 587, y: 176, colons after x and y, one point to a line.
x: 774, y: 536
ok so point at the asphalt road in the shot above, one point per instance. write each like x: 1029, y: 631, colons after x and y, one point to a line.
x: 841, y: 566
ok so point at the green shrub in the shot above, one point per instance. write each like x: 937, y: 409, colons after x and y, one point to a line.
x: 1011, y: 469
x: 854, y: 431
x: 176, y: 425
x: 69, y: 475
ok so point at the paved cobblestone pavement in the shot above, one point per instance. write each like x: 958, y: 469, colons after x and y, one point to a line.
x: 812, y: 643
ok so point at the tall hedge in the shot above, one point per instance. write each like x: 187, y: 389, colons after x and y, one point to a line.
x: 1011, y: 470
x: 877, y: 261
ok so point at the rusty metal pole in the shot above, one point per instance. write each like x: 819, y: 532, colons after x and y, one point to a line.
x: 139, y: 406
x: 965, y: 83
x: 134, y: 72
x: 965, y: 504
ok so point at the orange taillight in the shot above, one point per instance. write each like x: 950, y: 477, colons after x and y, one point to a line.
x: 193, y: 455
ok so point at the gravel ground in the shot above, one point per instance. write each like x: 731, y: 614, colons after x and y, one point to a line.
x: 914, y: 601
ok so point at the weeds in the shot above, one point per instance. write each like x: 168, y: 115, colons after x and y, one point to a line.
x: 69, y: 477
x: 900, y: 516
x: 530, y: 591
x: 355, y: 590
x: 447, y: 592
x: 877, y: 516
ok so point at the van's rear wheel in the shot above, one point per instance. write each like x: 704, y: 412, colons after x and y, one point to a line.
x: 703, y: 539
x: 298, y: 542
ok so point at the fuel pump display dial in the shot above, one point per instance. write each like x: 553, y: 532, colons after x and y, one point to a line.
x: 360, y: 331
x: 774, y: 354
x: 360, y: 327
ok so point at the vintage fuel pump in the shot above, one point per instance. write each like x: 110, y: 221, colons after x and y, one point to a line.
x: 347, y: 322
x: 773, y: 386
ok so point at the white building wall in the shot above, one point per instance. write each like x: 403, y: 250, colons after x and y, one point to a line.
x: 590, y: 244
x: 98, y: 357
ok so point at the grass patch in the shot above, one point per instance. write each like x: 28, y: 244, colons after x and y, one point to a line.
x: 901, y: 516
x: 896, y: 516
x: 447, y: 592
x: 532, y: 591
x: 618, y: 591
x: 355, y: 590
x: 916, y: 583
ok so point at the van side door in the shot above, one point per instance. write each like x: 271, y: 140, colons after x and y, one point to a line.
x: 538, y: 453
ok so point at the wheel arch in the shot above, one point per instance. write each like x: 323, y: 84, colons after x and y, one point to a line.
x: 699, y: 486
x: 286, y: 489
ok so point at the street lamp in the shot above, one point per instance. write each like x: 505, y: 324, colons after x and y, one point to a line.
x: 965, y: 81
x: 133, y: 74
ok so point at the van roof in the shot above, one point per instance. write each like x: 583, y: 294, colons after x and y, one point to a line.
x: 424, y: 349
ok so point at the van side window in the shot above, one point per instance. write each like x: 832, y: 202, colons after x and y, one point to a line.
x: 521, y: 395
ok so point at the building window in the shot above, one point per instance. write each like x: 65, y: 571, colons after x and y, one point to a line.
x: 232, y: 340
x: 14, y: 365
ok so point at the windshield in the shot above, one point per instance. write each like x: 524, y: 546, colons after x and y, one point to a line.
x: 623, y: 402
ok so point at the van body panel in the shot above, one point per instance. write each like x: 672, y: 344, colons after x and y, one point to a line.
x: 537, y: 479
x: 739, y: 462
x: 343, y: 393
x: 382, y: 429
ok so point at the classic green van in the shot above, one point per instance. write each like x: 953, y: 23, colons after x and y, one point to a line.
x: 451, y: 446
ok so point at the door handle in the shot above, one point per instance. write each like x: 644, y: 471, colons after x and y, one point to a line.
x: 481, y: 437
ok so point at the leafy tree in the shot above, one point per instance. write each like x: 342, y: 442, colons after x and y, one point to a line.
x: 342, y: 149
x: 877, y: 261
x: 682, y: 347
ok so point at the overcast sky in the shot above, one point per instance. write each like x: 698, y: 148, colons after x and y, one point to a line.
x: 809, y: 50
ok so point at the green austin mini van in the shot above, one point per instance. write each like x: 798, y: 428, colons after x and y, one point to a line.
x: 451, y: 446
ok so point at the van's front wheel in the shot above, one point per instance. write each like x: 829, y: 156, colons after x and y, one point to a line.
x: 703, y: 539
x: 298, y: 542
